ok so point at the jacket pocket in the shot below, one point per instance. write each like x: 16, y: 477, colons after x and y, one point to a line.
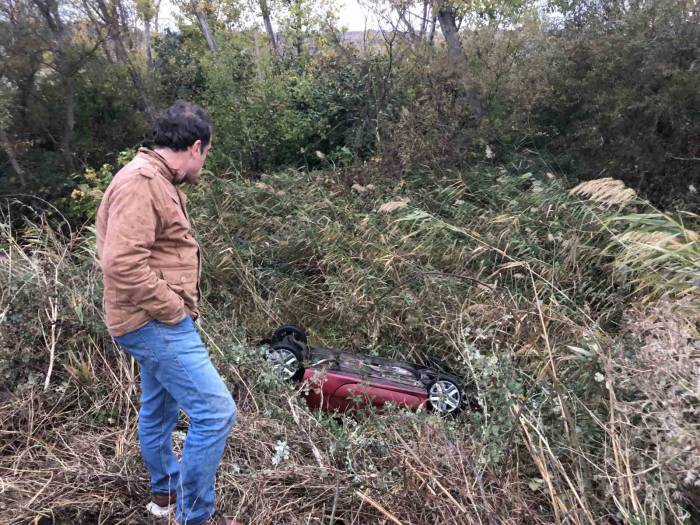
x: 182, y: 281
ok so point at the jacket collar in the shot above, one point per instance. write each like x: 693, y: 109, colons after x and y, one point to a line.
x: 167, y: 171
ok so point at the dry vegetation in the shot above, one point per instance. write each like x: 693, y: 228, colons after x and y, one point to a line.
x: 577, y: 326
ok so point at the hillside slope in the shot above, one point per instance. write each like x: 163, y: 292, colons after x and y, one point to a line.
x: 575, y: 323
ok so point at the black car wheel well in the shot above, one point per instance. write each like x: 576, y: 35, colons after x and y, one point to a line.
x: 296, y: 332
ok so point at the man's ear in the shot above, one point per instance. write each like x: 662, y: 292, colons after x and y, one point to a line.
x: 197, y: 147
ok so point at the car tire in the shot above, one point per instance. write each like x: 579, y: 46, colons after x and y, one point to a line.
x: 287, y: 361
x: 445, y: 396
x: 297, y: 332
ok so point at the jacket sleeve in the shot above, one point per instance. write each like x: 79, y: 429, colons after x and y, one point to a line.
x: 131, y: 231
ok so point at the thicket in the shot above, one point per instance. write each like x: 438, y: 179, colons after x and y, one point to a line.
x: 598, y: 88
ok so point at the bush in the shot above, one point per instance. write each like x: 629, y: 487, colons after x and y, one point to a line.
x: 620, y: 95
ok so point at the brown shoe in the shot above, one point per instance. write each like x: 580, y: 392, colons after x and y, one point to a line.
x: 162, y: 505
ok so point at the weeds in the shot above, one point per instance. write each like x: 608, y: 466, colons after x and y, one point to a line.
x: 587, y: 382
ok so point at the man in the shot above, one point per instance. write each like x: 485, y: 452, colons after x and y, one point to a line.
x: 151, y: 267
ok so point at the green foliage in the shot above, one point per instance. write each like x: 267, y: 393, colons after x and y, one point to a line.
x: 91, y: 185
x: 269, y: 114
x: 86, y: 198
x: 108, y: 118
x: 620, y: 95
x: 178, y: 68
x: 596, y: 89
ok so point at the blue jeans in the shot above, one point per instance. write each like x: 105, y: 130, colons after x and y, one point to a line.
x: 176, y: 373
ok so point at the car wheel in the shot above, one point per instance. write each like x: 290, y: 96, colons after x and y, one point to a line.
x: 287, y: 362
x: 445, y: 397
x: 297, y: 332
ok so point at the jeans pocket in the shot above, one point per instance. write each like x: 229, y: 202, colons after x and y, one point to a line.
x: 127, y: 340
x: 137, y: 343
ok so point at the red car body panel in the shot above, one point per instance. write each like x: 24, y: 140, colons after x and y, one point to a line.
x: 343, y: 391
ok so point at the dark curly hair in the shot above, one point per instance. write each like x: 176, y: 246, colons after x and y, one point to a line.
x: 179, y: 126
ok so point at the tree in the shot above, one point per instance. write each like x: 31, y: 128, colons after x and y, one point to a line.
x: 22, y: 59
x: 447, y: 16
x: 265, y: 12
x: 198, y: 10
x: 148, y: 12
x: 111, y: 19
x: 66, y: 61
x: 410, y: 20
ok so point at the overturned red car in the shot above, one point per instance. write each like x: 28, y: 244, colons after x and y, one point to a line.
x: 343, y: 380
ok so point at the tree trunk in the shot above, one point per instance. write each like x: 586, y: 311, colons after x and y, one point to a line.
x: 431, y: 34
x: 136, y: 78
x: 148, y: 12
x: 204, y: 26
x: 409, y: 27
x: 52, y: 16
x: 69, y: 122
x: 265, y: 10
x: 10, y: 152
x: 298, y: 39
x: 448, y: 25
x: 156, y: 17
x: 147, y: 43
x: 424, y: 22
x: 25, y: 92
x: 127, y: 33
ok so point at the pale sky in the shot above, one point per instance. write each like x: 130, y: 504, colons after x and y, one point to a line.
x: 355, y: 17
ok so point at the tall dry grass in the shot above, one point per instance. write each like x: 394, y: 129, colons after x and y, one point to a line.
x: 587, y: 381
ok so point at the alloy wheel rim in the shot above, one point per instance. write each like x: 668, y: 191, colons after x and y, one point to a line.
x: 284, y: 363
x: 444, y: 396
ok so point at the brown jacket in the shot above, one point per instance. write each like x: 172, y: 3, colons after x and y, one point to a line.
x: 149, y: 257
